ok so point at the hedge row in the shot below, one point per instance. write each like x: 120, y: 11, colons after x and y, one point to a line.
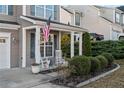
x: 83, y: 65
x: 116, y: 48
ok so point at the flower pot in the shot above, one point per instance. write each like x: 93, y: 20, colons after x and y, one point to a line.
x: 35, y: 68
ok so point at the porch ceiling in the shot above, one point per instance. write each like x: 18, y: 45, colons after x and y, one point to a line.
x: 54, y: 24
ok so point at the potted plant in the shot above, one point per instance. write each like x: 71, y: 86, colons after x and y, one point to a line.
x: 35, y: 67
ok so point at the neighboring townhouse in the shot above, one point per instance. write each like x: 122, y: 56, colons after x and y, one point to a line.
x: 21, y: 36
x: 97, y: 19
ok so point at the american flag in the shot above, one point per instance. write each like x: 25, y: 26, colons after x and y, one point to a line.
x: 46, y: 30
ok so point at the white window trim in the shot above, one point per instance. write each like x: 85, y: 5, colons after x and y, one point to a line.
x: 6, y: 10
x: 116, y: 17
x: 44, y: 46
x: 9, y: 26
x: 75, y: 18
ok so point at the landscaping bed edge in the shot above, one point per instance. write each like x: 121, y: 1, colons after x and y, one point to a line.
x: 97, y: 77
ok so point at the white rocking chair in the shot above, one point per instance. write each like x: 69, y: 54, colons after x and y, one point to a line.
x: 45, y: 63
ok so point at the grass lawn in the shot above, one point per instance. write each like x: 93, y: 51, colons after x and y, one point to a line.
x: 114, y: 80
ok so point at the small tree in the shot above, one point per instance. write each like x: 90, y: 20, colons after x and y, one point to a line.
x: 86, y: 44
x: 65, y: 41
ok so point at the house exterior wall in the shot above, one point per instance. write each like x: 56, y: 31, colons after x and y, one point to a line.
x: 66, y: 16
x: 108, y: 13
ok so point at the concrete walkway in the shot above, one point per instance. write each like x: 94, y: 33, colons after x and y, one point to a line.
x: 23, y: 78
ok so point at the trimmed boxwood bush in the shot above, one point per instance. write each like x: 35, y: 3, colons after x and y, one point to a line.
x: 95, y: 64
x: 103, y: 61
x: 109, y: 57
x: 80, y: 65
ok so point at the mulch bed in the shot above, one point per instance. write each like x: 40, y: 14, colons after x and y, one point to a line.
x: 48, y: 71
x: 72, y: 81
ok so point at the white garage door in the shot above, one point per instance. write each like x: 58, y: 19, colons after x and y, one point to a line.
x: 4, y: 53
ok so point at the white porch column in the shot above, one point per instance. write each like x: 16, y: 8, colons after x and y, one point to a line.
x: 37, y: 45
x: 59, y: 40
x: 80, y: 43
x: 23, y: 47
x: 72, y: 44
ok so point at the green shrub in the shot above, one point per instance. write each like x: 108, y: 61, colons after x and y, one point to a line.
x: 116, y: 48
x: 109, y: 57
x: 95, y: 64
x: 103, y: 61
x: 80, y: 65
x: 86, y: 44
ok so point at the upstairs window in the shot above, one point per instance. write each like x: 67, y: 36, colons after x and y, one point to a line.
x: 44, y: 11
x: 39, y: 10
x: 77, y: 19
x: 117, y: 17
x: 3, y: 9
x: 6, y: 9
x: 49, y: 11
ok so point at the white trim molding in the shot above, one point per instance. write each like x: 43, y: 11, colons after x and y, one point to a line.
x: 23, y: 47
x: 72, y: 44
x: 28, y: 19
x: 60, y: 40
x: 9, y: 26
x: 80, y: 43
x: 37, y: 45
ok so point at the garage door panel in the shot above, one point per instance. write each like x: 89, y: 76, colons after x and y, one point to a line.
x: 4, y: 61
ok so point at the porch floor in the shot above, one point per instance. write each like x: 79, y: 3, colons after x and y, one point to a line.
x: 23, y: 78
